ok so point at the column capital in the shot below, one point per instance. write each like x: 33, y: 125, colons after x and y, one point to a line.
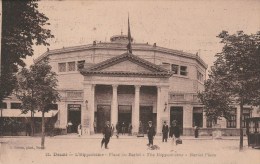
x: 114, y: 85
x: 137, y: 87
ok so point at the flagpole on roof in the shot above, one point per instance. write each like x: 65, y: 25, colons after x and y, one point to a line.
x: 129, y: 46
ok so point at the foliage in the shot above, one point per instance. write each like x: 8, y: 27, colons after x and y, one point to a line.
x: 22, y: 27
x: 37, y: 87
x: 235, y: 76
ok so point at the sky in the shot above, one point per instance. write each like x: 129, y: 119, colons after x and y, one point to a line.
x: 190, y: 26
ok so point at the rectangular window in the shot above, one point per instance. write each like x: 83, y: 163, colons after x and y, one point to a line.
x: 247, y: 113
x: 166, y: 66
x: 211, y: 122
x: 175, y: 69
x: 232, y: 121
x: 183, y: 71
x: 71, y: 66
x: 62, y: 67
x: 3, y: 105
x: 200, y: 76
x: 198, y: 116
x: 16, y: 105
x: 81, y: 64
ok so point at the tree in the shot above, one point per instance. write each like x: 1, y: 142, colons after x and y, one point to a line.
x: 37, y: 90
x: 26, y: 91
x: 22, y: 26
x: 234, y: 78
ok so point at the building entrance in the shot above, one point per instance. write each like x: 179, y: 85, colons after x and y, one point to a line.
x: 124, y: 118
x: 177, y: 115
x: 146, y: 115
x: 74, y: 117
x: 103, y: 115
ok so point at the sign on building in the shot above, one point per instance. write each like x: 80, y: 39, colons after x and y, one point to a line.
x: 74, y: 107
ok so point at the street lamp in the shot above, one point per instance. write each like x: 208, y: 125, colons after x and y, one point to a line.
x: 165, y: 104
x: 241, y: 107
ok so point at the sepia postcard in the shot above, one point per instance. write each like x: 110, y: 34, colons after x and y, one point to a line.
x: 126, y: 76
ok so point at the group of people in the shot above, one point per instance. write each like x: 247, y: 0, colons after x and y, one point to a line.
x: 124, y: 129
x: 173, y: 132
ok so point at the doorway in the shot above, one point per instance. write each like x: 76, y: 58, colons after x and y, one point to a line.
x: 146, y: 115
x: 124, y: 116
x: 74, y: 117
x: 103, y: 115
x: 176, y: 113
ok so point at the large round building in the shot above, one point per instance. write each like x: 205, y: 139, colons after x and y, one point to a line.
x: 128, y: 85
x: 104, y: 82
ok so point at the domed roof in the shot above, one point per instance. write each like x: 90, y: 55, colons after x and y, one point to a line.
x: 120, y: 39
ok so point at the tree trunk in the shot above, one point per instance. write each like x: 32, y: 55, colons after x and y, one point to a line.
x: 241, y: 126
x: 32, y: 124
x: 43, y: 131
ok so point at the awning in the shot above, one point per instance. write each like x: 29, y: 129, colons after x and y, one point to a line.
x: 17, y: 113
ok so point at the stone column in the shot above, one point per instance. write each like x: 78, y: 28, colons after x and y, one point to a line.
x: 159, y: 110
x: 88, y: 109
x: 63, y: 114
x: 187, y: 119
x: 162, y: 107
x: 114, y: 106
x: 204, y: 120
x: 187, y: 116
x: 135, y: 114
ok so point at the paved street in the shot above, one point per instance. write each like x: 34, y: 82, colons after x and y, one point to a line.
x: 126, y: 149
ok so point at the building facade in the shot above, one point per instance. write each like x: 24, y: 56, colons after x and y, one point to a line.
x: 103, y: 82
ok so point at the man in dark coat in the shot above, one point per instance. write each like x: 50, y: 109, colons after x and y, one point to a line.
x: 107, y: 135
x: 117, y: 129
x: 176, y: 130
x: 150, y: 133
x: 123, y: 128
x: 165, y: 130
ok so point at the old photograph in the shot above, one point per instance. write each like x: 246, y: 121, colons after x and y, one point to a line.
x: 151, y: 82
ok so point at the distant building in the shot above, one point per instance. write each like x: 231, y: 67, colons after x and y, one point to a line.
x: 103, y: 82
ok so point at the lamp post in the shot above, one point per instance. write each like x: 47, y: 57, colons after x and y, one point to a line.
x: 165, y: 106
x: 1, y: 121
x: 241, y: 108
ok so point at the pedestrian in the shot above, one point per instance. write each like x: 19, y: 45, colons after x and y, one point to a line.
x: 165, y: 130
x: 69, y: 127
x: 106, y: 135
x: 130, y: 127
x: 150, y: 133
x: 28, y: 129
x: 112, y: 130
x: 196, y: 132
x: 95, y: 126
x: 117, y: 129
x: 176, y: 132
x: 123, y: 128
x: 171, y: 131
x: 79, y: 130
x: 141, y: 130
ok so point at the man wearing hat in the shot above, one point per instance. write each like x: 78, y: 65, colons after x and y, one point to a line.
x: 107, y: 134
x: 150, y: 133
x: 165, y: 130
